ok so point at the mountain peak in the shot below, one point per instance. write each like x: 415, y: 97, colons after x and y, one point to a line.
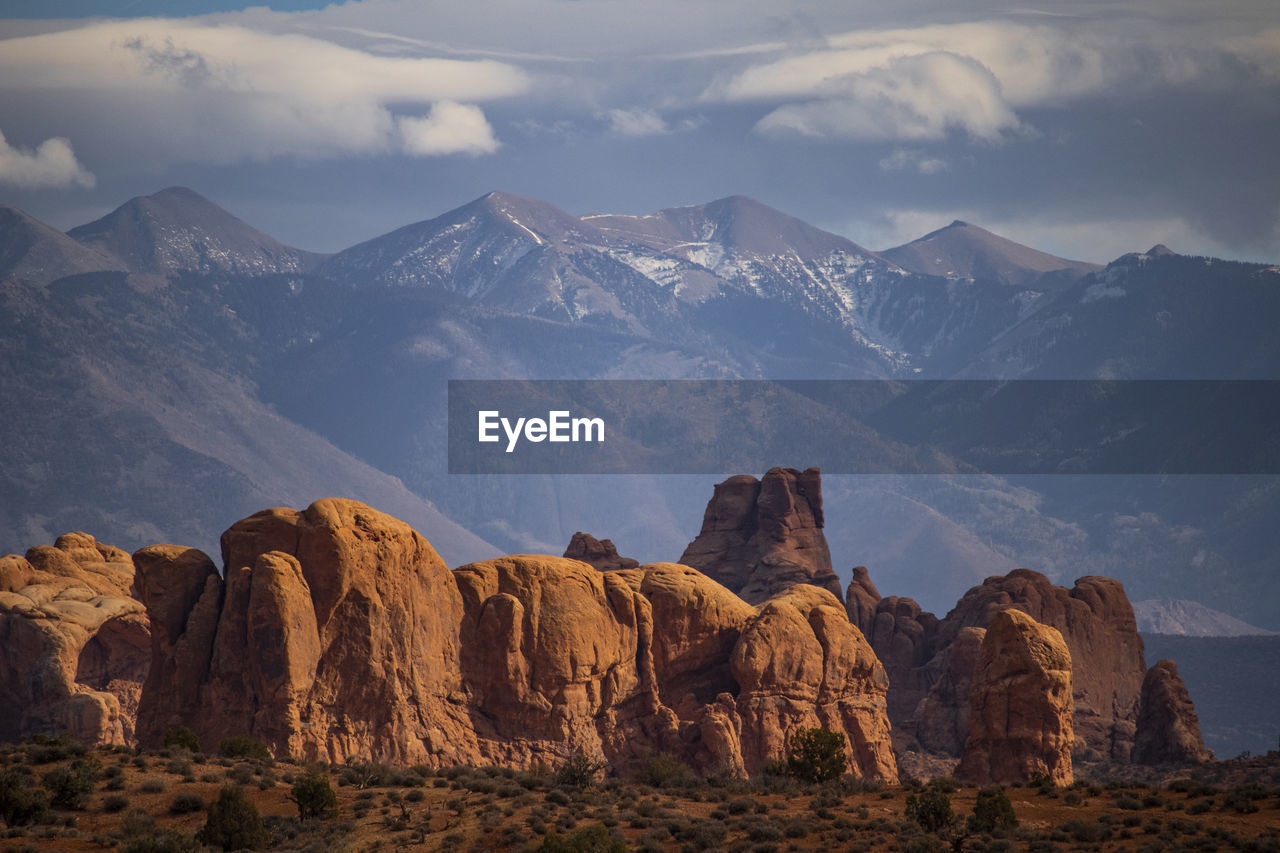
x: 33, y: 251
x: 177, y: 229
x: 1160, y: 250
x: 969, y: 251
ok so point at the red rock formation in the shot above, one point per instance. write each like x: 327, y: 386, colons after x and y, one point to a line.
x: 942, y: 717
x: 1020, y: 702
x: 338, y: 633
x: 1168, y: 728
x: 600, y: 553
x: 76, y: 646
x: 759, y: 537
x: 1094, y: 617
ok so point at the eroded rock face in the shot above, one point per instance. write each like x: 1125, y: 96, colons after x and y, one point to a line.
x: 338, y: 633
x: 1094, y: 618
x: 1168, y: 728
x: 1020, y: 705
x: 800, y: 663
x: 759, y: 537
x: 334, y: 634
x: 942, y: 717
x: 1097, y: 623
x: 76, y: 643
x: 600, y: 553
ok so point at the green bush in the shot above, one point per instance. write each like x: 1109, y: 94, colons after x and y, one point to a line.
x: 992, y: 811
x: 70, y: 786
x: 664, y: 771
x: 243, y: 746
x: 181, y: 736
x: 588, y: 839
x: 186, y: 804
x: 315, y: 798
x: 115, y: 803
x: 233, y: 823
x: 20, y: 802
x: 931, y: 809
x: 817, y: 755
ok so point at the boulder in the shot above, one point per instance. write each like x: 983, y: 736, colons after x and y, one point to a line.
x: 600, y: 553
x: 1020, y: 705
x: 1168, y: 728
x: 760, y: 537
x: 77, y: 644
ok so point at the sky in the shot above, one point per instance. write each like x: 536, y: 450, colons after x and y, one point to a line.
x: 1086, y: 129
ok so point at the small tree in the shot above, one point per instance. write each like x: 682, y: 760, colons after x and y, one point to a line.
x: 931, y: 809
x: 69, y: 787
x: 243, y: 746
x: 314, y: 796
x: 182, y: 736
x: 20, y: 801
x: 234, y: 823
x: 579, y: 769
x: 992, y: 811
x: 817, y: 755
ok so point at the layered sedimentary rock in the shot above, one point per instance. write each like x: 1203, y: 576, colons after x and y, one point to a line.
x: 601, y: 553
x: 76, y: 644
x: 1094, y: 618
x: 1168, y: 728
x: 338, y: 632
x: 1020, y: 705
x: 759, y: 537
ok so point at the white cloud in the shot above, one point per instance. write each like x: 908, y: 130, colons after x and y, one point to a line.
x: 222, y: 93
x: 912, y: 97
x: 901, y: 158
x: 51, y: 164
x: 641, y: 121
x: 450, y: 128
x: 636, y: 122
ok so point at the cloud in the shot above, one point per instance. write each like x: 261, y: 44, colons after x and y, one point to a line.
x: 641, y: 121
x: 901, y: 159
x: 450, y: 128
x: 51, y: 164
x: 224, y: 93
x: 920, y: 97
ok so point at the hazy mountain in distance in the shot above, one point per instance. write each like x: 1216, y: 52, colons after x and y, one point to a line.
x: 34, y: 252
x: 1190, y: 618
x: 963, y: 250
x: 178, y: 229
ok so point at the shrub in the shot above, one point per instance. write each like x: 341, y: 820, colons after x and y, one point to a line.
x: 314, y: 796
x: 165, y: 841
x: 69, y: 787
x: 817, y: 755
x: 115, y: 803
x: 992, y: 811
x: 931, y: 809
x: 182, y: 736
x: 664, y: 771
x: 233, y: 823
x: 20, y: 802
x: 579, y: 769
x: 186, y: 804
x: 588, y: 839
x: 243, y: 746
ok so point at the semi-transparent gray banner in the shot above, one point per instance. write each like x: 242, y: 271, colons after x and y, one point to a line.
x: 864, y: 426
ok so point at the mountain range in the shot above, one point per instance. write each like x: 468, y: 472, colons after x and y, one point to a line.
x: 168, y: 369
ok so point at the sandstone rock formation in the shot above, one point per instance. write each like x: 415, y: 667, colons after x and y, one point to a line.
x: 600, y: 553
x: 1168, y: 728
x: 76, y: 644
x: 1021, y: 702
x: 942, y: 717
x: 1094, y: 618
x: 339, y: 633
x: 759, y: 537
